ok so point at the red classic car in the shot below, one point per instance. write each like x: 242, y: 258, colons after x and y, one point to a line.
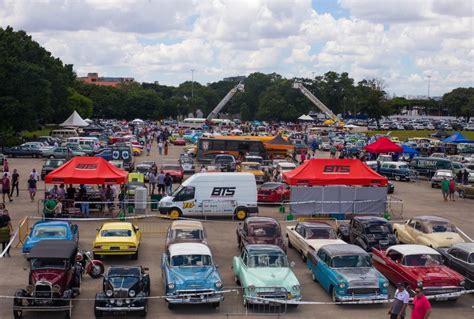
x: 273, y: 192
x: 175, y: 170
x: 260, y: 230
x: 179, y: 141
x: 418, y: 265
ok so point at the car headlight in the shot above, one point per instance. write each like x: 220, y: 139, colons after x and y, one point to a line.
x: 56, y: 288
x: 251, y: 288
x: 385, y: 284
x: 462, y: 282
x: 296, y: 288
x: 419, y: 283
x: 131, y: 293
x: 119, y: 302
x: 218, y: 284
x: 342, y: 285
x: 109, y: 293
x: 29, y: 289
x: 171, y: 285
x: 128, y: 301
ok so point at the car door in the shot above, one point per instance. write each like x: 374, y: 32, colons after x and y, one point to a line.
x: 410, y: 231
x: 322, y: 269
x: 298, y: 238
x: 458, y: 260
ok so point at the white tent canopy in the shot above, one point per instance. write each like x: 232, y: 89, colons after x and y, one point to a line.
x: 305, y: 118
x: 75, y: 120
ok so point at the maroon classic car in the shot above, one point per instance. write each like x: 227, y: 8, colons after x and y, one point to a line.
x: 260, y: 230
x: 419, y: 266
x: 175, y: 170
x: 273, y: 192
x: 54, y: 278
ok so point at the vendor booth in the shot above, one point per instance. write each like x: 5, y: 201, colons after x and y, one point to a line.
x: 337, y: 187
x: 457, y: 138
x: 383, y: 145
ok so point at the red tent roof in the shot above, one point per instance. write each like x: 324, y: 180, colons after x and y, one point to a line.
x: 334, y: 172
x: 383, y: 145
x: 87, y: 170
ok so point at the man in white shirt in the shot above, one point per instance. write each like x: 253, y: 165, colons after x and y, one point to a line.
x: 35, y: 174
x: 400, y: 302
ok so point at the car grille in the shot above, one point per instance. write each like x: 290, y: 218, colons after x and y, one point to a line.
x: 362, y: 291
x: 43, y: 291
x: 121, y: 293
x: 272, y: 295
x: 192, y: 292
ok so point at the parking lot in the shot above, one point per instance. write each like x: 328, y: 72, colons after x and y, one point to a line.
x: 419, y: 199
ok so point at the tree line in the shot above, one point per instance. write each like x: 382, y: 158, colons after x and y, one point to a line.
x: 37, y: 88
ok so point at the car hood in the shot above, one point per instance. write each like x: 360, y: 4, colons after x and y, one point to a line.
x: 356, y: 277
x: 318, y: 243
x: 194, y: 277
x: 51, y: 276
x: 122, y: 282
x: 271, y: 277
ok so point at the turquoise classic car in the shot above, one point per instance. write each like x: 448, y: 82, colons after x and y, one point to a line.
x: 265, y: 275
x: 50, y: 230
x: 346, y: 272
x: 190, y: 275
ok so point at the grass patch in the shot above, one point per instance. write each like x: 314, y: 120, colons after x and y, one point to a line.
x: 34, y: 134
x: 404, y: 135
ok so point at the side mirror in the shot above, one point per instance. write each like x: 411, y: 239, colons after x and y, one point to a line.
x: 292, y: 264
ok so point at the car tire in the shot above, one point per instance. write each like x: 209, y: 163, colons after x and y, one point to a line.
x: 237, y: 281
x: 175, y: 213
x: 17, y: 314
x: 397, y: 178
x: 215, y: 305
x: 135, y: 256
x: 303, y: 257
x: 144, y: 312
x: 98, y: 313
x: 170, y: 306
x: 67, y: 314
x: 432, y: 185
x: 333, y: 294
x: 289, y: 244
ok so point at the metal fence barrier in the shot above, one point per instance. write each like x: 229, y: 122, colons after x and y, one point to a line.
x: 234, y: 305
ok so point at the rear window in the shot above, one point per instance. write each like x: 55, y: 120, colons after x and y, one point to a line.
x: 116, y: 233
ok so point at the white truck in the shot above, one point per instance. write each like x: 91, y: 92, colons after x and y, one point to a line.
x: 213, y: 194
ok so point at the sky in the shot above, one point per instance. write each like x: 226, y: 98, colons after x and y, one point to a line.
x: 406, y: 43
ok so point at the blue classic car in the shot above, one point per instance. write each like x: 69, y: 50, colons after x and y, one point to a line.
x: 346, y: 272
x: 190, y: 275
x: 396, y: 170
x: 50, y: 230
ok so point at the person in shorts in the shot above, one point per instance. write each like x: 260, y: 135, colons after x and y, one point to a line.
x: 452, y: 188
x: 6, y: 187
x: 445, y: 188
x: 32, y: 187
x: 400, y: 302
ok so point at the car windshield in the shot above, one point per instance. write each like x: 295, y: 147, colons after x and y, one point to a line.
x: 448, y: 174
x: 321, y: 233
x: 471, y: 259
x: 188, y: 234
x: 116, y: 233
x: 378, y: 228
x: 120, y: 272
x: 49, y: 232
x: 403, y: 166
x: 171, y: 167
x: 263, y: 231
x: 422, y: 260
x: 45, y: 263
x: 439, y: 227
x: 251, y: 167
x: 351, y: 261
x: 52, y: 163
x: 270, y: 186
x: 268, y: 260
x: 191, y: 260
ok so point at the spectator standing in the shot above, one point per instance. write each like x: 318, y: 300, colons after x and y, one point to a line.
x: 421, y: 305
x: 168, y: 184
x: 152, y: 179
x: 32, y: 187
x: 465, y: 177
x: 400, y: 302
x: 332, y: 151
x: 148, y: 148
x: 61, y: 192
x: 70, y: 195
x: 161, y: 182
x: 84, y: 200
x: 35, y: 174
x: 452, y: 188
x: 6, y: 168
x: 166, y: 147
x: 15, y: 183
x: 445, y: 188
x: 6, y: 230
x: 6, y: 187
x: 459, y: 177
x: 160, y: 147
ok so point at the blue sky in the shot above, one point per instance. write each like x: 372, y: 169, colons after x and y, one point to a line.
x: 398, y: 41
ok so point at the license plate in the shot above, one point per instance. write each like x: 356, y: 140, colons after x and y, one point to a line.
x: 383, y: 242
x: 114, y: 248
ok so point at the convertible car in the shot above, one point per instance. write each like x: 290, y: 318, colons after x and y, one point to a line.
x: 431, y: 231
x: 346, y: 272
x: 308, y: 237
x: 419, y: 266
x: 117, y: 238
x: 50, y: 230
x: 264, y: 273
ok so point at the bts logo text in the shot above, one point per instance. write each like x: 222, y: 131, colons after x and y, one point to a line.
x: 336, y: 169
x: 223, y: 191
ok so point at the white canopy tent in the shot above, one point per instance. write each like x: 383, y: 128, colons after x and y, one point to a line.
x: 75, y: 120
x: 305, y: 117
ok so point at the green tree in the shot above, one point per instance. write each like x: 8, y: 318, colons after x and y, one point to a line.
x: 458, y: 102
x: 371, y: 99
x: 79, y: 103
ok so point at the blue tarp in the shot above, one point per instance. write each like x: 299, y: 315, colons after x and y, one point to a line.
x: 408, y: 150
x: 457, y: 138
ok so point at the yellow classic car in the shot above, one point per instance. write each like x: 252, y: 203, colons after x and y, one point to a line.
x: 252, y: 167
x: 432, y: 231
x: 117, y: 238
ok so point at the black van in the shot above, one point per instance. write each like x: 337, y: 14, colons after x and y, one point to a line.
x: 427, y: 166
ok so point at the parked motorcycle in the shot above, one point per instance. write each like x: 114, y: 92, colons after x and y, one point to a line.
x: 92, y: 267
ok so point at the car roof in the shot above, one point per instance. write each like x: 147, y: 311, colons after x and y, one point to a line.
x: 250, y: 163
x: 124, y: 270
x: 286, y: 164
x: 427, y: 218
x: 469, y: 247
x: 189, y: 249
x: 116, y: 225
x: 371, y: 219
x: 413, y: 249
x: 315, y: 224
x: 187, y: 224
x: 258, y: 248
x: 343, y: 249
x: 261, y: 219
x: 61, y: 249
x: 51, y: 223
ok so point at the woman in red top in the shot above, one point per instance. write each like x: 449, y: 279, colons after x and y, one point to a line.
x: 452, y: 188
x: 421, y: 305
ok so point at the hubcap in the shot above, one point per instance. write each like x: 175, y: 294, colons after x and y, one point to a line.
x: 174, y: 214
x: 241, y: 214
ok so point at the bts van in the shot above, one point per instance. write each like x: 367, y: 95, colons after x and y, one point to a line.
x: 213, y: 194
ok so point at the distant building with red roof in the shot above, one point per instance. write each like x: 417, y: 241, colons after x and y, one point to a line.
x: 93, y: 78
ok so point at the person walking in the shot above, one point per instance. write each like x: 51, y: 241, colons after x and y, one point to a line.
x: 452, y: 188
x: 400, y: 302
x: 32, y: 187
x: 160, y: 147
x: 148, y: 148
x: 166, y: 147
x: 421, y: 305
x: 152, y: 179
x: 445, y: 188
x: 459, y: 177
x: 161, y: 182
x: 6, y: 230
x: 15, y: 183
x: 465, y: 177
x: 6, y: 187
x: 35, y: 174
x: 82, y: 196
x: 6, y: 168
x: 168, y: 184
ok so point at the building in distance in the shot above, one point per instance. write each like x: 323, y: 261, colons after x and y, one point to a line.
x: 93, y: 78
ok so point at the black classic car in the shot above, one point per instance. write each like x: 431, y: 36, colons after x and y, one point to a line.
x: 460, y: 257
x: 50, y: 165
x: 22, y: 151
x: 54, y: 279
x: 368, y: 232
x: 125, y: 290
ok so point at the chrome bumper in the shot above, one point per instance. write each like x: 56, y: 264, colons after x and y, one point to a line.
x: 195, y: 299
x: 120, y: 309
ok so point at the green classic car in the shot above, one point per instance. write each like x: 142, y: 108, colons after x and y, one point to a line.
x: 265, y: 274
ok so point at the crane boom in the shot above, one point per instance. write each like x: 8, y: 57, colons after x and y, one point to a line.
x: 223, y: 102
x: 320, y: 105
